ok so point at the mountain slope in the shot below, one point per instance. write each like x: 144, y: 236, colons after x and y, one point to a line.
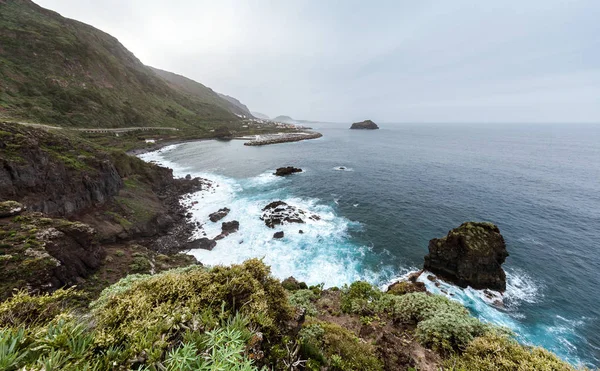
x: 60, y: 71
x: 237, y: 107
x: 259, y: 115
x: 195, y: 89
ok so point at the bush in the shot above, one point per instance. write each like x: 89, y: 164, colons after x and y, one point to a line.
x: 360, y: 298
x: 304, y: 299
x: 328, y: 344
x: 24, y: 309
x: 193, y: 298
x: 442, y: 324
x: 496, y: 352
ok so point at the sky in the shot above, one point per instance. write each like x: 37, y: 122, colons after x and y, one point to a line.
x: 389, y: 61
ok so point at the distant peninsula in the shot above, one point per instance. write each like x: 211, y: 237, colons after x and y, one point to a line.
x: 365, y: 125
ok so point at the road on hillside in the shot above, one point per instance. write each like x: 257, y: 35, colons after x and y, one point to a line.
x: 100, y: 130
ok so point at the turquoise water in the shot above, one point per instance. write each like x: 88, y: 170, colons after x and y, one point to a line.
x: 406, y: 184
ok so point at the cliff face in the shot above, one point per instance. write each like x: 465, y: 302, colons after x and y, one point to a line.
x: 48, y: 173
x: 470, y: 255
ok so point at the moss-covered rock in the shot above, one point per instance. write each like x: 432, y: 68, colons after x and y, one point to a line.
x: 470, y: 255
x: 10, y: 208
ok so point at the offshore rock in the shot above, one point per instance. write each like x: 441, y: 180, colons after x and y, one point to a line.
x: 228, y: 228
x: 283, y: 171
x: 278, y: 213
x: 278, y: 235
x: 367, y: 124
x: 218, y: 215
x: 470, y: 255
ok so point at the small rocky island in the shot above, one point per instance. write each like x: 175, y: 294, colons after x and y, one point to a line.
x: 284, y: 171
x: 470, y: 255
x: 365, y: 125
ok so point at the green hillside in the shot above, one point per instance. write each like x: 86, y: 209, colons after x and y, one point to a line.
x: 195, y: 89
x: 58, y: 71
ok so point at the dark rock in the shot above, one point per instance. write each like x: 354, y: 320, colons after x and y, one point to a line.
x: 279, y: 234
x: 228, y: 228
x: 278, y: 213
x: 470, y: 255
x: 216, y: 216
x: 188, y: 177
x: 301, y: 231
x: 283, y: 171
x: 292, y: 284
x: 202, y: 243
x: 367, y: 124
x: 414, y: 276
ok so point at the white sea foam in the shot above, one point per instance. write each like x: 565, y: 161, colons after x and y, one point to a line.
x: 343, y: 168
x: 321, y: 254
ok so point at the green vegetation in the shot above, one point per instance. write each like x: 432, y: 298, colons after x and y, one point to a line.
x: 240, y: 318
x: 500, y: 353
x: 63, y: 72
x: 328, y: 344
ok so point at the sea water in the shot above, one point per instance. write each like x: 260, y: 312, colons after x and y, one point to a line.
x: 382, y: 195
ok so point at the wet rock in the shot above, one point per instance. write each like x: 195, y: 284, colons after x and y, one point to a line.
x: 301, y: 231
x: 218, y: 215
x: 278, y: 235
x: 470, y: 255
x: 278, y: 213
x: 228, y: 228
x: 292, y: 284
x: 202, y: 243
x: 283, y: 171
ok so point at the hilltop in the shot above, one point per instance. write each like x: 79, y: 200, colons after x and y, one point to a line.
x: 63, y: 72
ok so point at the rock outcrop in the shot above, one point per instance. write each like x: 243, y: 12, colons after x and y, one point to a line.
x: 10, y: 208
x: 283, y: 171
x: 367, y: 124
x: 279, y: 212
x: 278, y: 235
x: 228, y: 228
x: 218, y: 215
x: 470, y: 255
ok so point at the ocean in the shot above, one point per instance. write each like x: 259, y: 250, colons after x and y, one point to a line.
x: 383, y: 194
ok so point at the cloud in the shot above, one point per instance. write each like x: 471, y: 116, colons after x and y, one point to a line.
x: 393, y: 61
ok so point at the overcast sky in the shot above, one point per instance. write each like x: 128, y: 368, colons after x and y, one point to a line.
x: 391, y: 61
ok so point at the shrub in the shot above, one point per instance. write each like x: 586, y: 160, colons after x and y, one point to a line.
x: 442, y: 324
x: 329, y: 344
x: 304, y: 299
x: 24, y: 309
x: 501, y: 353
x: 193, y: 298
x: 360, y: 298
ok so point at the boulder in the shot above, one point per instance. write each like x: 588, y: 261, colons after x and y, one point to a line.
x: 278, y: 213
x: 283, y: 171
x: 278, y: 235
x: 365, y: 125
x: 218, y: 215
x: 10, y: 208
x: 470, y: 255
x: 228, y: 228
x: 202, y: 243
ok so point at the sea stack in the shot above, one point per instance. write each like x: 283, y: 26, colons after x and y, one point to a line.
x: 470, y: 255
x: 283, y: 171
x: 365, y: 125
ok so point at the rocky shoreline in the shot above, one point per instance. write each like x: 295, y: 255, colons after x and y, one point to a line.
x: 282, y: 138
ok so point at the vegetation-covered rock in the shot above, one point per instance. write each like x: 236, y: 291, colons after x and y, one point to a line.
x: 470, y: 255
x: 365, y: 125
